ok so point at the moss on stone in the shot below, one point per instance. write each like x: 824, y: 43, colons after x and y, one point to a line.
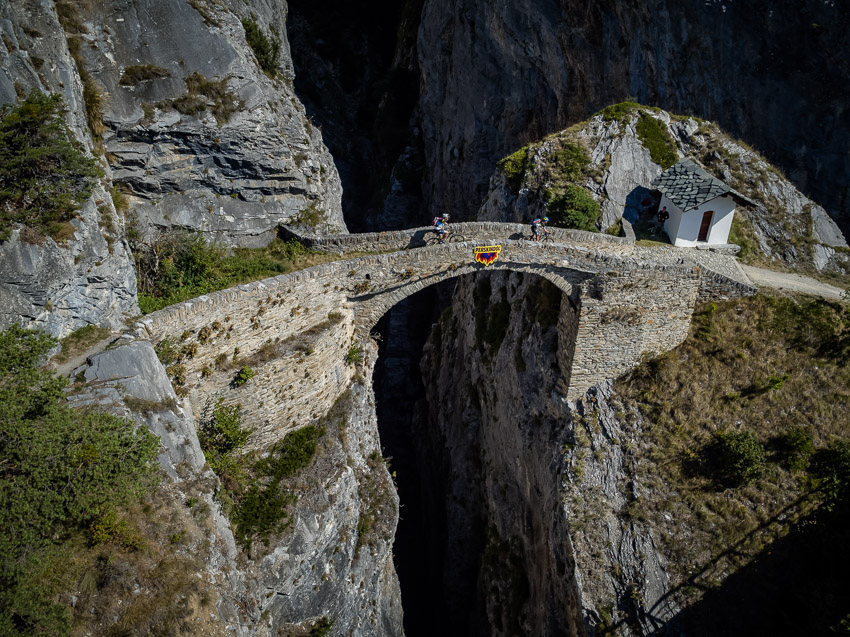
x: 656, y: 138
x: 514, y: 166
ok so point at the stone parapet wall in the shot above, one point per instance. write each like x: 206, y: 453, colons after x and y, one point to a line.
x: 297, y: 321
x: 483, y: 231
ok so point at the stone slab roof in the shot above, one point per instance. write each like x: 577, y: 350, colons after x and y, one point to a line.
x: 688, y: 186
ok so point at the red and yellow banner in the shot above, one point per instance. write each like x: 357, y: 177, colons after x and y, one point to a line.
x: 486, y: 254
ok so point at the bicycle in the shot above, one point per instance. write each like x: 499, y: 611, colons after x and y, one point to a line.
x: 438, y: 238
x: 458, y: 237
x: 545, y: 235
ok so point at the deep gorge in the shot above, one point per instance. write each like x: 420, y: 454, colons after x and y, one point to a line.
x: 481, y: 546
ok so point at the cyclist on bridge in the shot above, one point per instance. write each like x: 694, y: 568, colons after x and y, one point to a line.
x: 441, y: 225
x: 538, y: 227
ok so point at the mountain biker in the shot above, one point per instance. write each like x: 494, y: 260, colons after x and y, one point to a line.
x: 441, y: 225
x: 538, y: 226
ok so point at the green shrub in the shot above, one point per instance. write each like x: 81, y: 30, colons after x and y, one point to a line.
x: 290, y: 455
x: 353, y: 355
x: 221, y: 435
x: 831, y: 474
x: 657, y: 140
x: 61, y: 471
x: 514, y: 166
x: 44, y: 173
x: 739, y: 457
x: 262, y: 508
x: 572, y: 161
x: 575, y: 208
x: 266, y: 49
x: 796, y: 448
x: 243, y: 376
x: 185, y: 266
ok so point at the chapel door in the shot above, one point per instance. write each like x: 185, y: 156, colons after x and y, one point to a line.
x: 705, y: 226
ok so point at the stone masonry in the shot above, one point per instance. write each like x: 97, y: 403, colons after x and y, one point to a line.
x: 301, y: 333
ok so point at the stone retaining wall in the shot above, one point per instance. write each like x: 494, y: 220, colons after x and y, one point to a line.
x: 623, y: 317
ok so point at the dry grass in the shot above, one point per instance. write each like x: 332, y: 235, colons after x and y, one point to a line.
x: 146, y: 587
x: 80, y: 340
x: 725, y: 377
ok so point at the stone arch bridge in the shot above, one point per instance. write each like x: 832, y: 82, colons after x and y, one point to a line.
x: 301, y: 331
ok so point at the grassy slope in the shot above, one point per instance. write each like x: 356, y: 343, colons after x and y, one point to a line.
x: 191, y: 268
x: 720, y: 379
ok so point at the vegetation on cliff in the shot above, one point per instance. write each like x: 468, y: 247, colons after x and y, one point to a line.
x: 744, y: 434
x: 256, y: 493
x: 267, y: 49
x: 180, y: 267
x: 65, y: 478
x: 45, y: 174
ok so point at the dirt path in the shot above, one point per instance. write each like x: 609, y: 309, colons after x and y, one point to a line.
x: 791, y: 282
x: 64, y: 369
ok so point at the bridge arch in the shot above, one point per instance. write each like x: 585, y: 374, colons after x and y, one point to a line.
x: 626, y: 300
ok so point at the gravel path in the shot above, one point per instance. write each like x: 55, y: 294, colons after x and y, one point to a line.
x: 791, y: 282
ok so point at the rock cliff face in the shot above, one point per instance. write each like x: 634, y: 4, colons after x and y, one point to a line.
x: 198, y: 133
x: 492, y: 444
x: 327, y: 566
x: 497, y: 75
x: 195, y: 133
x: 90, y: 278
x: 531, y: 488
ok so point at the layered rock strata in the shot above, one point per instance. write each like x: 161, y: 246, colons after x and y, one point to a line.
x: 88, y: 278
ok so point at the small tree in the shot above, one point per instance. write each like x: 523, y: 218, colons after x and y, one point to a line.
x: 221, y: 435
x: 740, y: 457
x: 45, y: 174
x: 243, y: 376
x: 796, y: 447
x: 831, y: 474
x: 575, y: 208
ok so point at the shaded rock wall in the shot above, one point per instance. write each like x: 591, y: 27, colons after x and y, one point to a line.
x: 497, y: 75
x: 492, y: 447
x: 533, y: 489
